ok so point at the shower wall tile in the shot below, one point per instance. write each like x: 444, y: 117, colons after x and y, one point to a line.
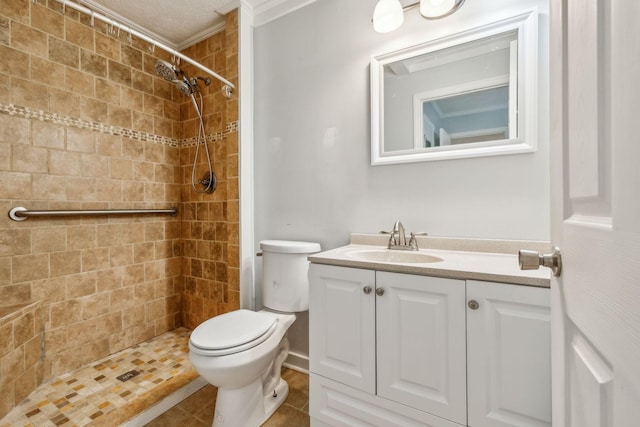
x: 86, y: 124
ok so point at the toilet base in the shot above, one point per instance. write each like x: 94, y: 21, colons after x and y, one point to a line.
x: 248, y: 406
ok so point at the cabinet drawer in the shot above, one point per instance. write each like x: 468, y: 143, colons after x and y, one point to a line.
x: 334, y: 404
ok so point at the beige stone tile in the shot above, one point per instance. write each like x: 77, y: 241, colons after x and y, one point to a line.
x: 6, y: 338
x: 142, y: 122
x: 81, y: 140
x: 5, y: 156
x: 94, y: 305
x: 131, y: 56
x: 47, y: 20
x: 107, y: 46
x: 119, y: 73
x: 119, y: 116
x: 142, y: 81
x: 79, y: 83
x: 80, y: 285
x: 49, y: 290
x: 65, y: 312
x: 80, y: 188
x: 14, y: 130
x: 133, y: 316
x: 15, y: 241
x: 18, y: 10
x: 109, y: 279
x: 108, y: 91
x: 28, y: 39
x: 132, y: 149
x: 95, y: 259
x: 29, y: 94
x: 64, y: 53
x: 93, y: 109
x: 47, y: 72
x: 64, y: 103
x: 93, y: 63
x: 121, y: 255
x: 120, y: 169
x: 30, y: 267
x: 49, y: 187
x: 109, y: 145
x: 79, y: 34
x: 23, y: 329
x: 64, y: 263
x: 50, y: 239
x: 109, y: 189
x: 16, y: 294
x: 26, y: 158
x: 131, y: 99
x: 47, y: 134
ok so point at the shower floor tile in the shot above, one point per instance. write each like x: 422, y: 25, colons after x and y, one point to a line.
x: 93, y: 395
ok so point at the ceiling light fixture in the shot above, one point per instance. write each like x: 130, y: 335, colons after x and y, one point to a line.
x: 388, y: 15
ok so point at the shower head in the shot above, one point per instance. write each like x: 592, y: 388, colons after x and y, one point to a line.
x: 184, y: 86
x: 166, y: 70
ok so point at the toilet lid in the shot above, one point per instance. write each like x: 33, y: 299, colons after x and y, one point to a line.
x: 227, y: 332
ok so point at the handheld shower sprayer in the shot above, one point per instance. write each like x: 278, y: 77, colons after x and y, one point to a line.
x: 189, y: 86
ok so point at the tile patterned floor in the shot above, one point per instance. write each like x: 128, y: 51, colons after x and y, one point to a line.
x: 92, y: 395
x: 197, y: 410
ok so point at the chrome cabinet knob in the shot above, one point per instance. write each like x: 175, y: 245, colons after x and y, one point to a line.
x: 367, y: 290
x: 532, y: 260
x: 473, y: 304
x: 379, y: 292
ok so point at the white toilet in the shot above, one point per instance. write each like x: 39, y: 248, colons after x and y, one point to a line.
x: 242, y: 352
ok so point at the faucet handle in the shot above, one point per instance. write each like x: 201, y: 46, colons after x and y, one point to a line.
x: 392, y: 236
x: 413, y: 242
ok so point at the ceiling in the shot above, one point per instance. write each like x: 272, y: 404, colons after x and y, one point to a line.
x: 181, y: 23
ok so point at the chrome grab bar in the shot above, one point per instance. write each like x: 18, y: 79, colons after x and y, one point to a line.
x: 20, y: 214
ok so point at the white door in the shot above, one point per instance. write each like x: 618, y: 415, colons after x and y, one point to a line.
x: 595, y: 162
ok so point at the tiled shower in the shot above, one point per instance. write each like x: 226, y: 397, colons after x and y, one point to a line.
x: 86, y: 124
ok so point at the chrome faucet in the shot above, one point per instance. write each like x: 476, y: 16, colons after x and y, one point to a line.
x: 398, y: 238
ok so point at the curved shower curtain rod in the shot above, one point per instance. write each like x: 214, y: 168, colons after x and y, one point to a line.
x: 133, y: 32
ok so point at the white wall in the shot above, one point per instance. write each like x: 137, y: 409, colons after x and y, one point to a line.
x: 313, y: 178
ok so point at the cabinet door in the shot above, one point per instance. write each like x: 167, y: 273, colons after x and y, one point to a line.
x: 509, y: 355
x: 342, y: 325
x: 421, y: 343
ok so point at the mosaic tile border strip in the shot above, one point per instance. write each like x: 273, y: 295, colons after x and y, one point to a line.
x: 92, y: 395
x: 28, y: 113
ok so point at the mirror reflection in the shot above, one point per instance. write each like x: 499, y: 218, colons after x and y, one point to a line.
x: 456, y: 96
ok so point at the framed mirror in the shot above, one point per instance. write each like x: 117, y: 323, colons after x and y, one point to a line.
x: 470, y: 94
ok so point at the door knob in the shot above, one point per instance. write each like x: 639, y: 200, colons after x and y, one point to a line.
x: 379, y: 292
x: 532, y: 260
x: 367, y: 290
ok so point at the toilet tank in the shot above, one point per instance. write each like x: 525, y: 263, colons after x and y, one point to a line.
x: 285, y: 285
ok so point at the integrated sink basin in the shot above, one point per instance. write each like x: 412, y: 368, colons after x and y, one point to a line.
x: 389, y: 255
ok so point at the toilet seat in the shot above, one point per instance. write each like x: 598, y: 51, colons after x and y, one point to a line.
x: 232, y: 332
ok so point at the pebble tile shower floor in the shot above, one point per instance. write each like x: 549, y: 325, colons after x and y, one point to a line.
x: 94, y: 396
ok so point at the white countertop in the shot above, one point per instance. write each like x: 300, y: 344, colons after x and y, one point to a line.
x: 493, y: 266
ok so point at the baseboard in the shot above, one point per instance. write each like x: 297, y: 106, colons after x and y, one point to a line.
x: 297, y: 362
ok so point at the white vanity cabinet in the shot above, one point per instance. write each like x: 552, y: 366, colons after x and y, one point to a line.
x: 394, y: 349
x: 398, y: 338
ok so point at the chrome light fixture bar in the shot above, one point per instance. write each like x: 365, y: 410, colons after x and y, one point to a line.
x: 388, y: 15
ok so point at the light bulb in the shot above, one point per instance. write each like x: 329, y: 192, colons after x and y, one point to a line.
x: 387, y: 16
x: 434, y: 9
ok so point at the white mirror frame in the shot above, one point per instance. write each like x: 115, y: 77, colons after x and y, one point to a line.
x: 526, y: 25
